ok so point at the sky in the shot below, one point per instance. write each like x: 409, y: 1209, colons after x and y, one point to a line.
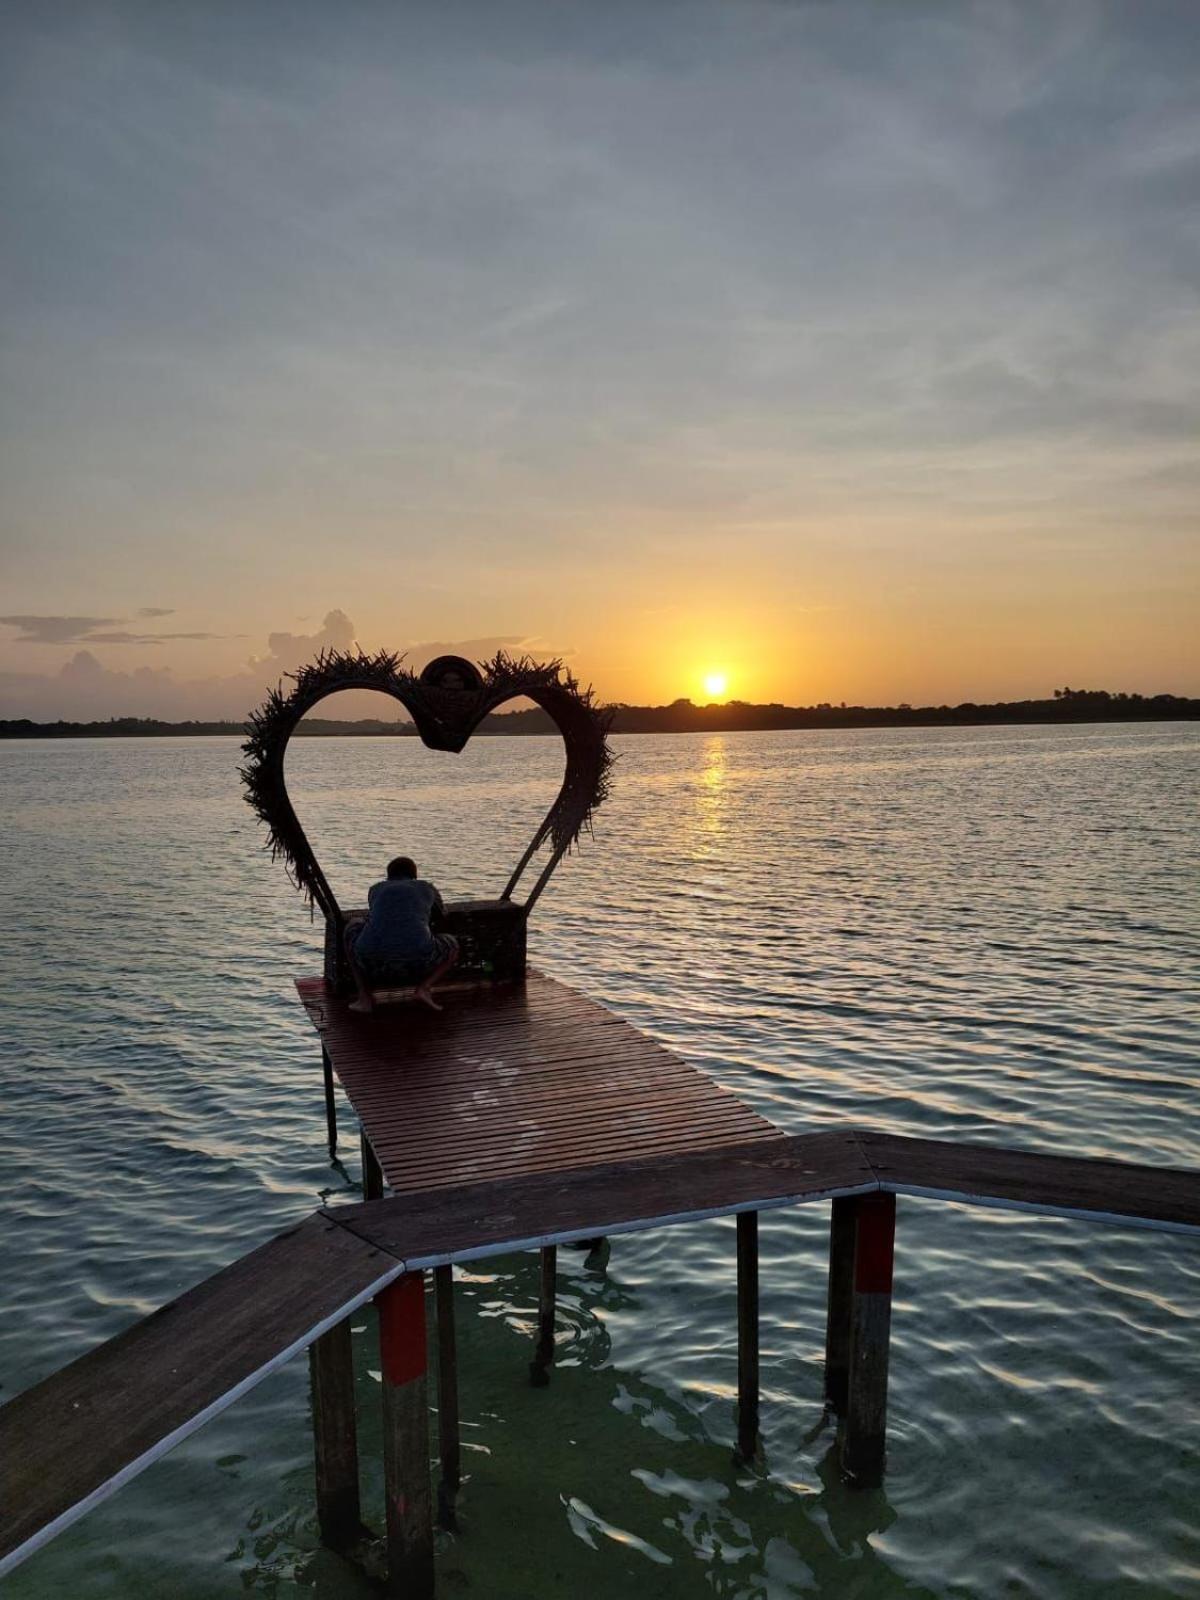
x: 849, y: 350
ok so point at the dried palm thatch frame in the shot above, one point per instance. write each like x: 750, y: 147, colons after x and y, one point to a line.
x: 447, y: 701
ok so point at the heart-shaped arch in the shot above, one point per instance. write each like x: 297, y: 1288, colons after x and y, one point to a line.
x: 447, y: 702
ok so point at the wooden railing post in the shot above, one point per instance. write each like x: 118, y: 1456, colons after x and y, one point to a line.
x: 543, y: 1352
x: 407, y: 1493
x: 335, y: 1437
x: 864, y: 1423
x: 747, y: 1282
x: 841, y: 1293
x: 372, y: 1172
x: 447, y: 1390
x: 330, y: 1102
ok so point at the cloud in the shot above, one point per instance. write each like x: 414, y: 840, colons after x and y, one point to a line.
x: 120, y: 637
x: 570, y: 308
x: 84, y: 689
x: 55, y: 630
x: 95, y: 630
x: 287, y: 651
x: 483, y: 649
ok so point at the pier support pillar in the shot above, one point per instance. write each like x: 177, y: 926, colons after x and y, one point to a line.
x: 447, y: 1390
x: 330, y: 1102
x: 747, y: 1282
x: 335, y: 1437
x: 372, y: 1172
x: 842, y: 1227
x: 863, y: 1433
x: 543, y: 1354
x: 407, y: 1491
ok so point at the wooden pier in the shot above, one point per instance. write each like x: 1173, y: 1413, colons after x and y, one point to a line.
x: 522, y: 1118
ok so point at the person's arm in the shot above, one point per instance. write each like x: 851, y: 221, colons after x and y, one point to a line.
x: 437, y: 910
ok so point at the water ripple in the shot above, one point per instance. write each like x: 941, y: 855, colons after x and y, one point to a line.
x: 960, y: 933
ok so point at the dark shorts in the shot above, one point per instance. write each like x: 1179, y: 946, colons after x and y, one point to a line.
x: 403, y: 974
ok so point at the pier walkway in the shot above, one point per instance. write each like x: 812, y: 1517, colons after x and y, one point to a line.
x: 514, y: 1080
x: 522, y: 1118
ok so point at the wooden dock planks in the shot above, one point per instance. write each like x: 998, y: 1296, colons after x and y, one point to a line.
x: 516, y: 1080
x: 476, y: 1220
x: 73, y: 1439
x: 1166, y: 1199
x: 467, y: 1223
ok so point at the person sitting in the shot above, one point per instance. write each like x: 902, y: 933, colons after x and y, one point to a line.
x: 394, y: 945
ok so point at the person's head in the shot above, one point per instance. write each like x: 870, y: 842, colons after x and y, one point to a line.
x: 402, y: 867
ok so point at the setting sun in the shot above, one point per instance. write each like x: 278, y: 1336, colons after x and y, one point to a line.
x: 715, y: 684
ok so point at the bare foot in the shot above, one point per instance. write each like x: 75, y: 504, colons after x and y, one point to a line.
x: 362, y: 1005
x: 425, y: 996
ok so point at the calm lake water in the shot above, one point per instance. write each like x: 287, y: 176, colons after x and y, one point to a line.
x: 985, y: 934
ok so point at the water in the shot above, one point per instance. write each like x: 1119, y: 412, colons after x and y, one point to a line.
x: 972, y: 933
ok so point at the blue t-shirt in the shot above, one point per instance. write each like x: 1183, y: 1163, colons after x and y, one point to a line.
x: 397, y: 926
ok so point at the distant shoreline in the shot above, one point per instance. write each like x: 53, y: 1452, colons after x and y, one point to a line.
x: 1067, y: 706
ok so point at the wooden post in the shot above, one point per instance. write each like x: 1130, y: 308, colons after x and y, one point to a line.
x: 372, y: 1172
x: 407, y: 1495
x: 330, y: 1102
x: 448, y: 1440
x: 543, y: 1353
x: 335, y: 1437
x: 864, y: 1427
x: 747, y: 1282
x: 841, y: 1291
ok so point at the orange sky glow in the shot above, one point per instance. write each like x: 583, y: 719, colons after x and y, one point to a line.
x: 846, y: 362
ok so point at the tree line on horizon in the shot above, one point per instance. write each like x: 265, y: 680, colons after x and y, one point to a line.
x: 683, y: 716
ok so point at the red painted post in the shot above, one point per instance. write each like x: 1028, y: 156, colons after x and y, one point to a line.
x: 407, y: 1490
x: 864, y: 1425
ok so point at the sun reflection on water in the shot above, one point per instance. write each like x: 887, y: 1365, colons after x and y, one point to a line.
x: 712, y: 797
